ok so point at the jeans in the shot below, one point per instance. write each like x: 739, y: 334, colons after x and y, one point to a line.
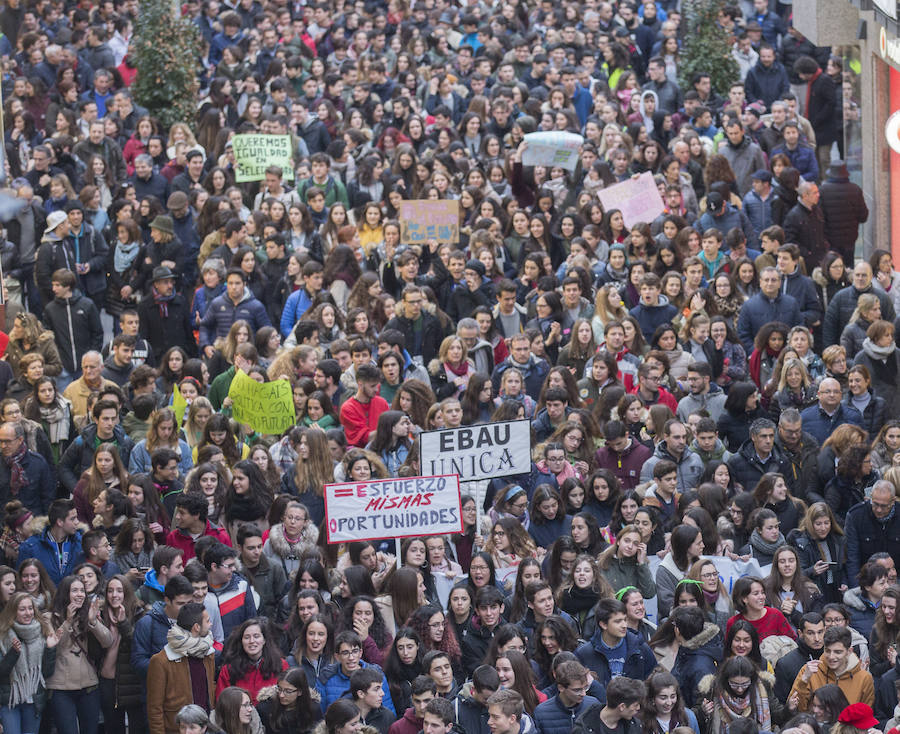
x: 76, y: 712
x: 22, y: 719
x: 114, y: 717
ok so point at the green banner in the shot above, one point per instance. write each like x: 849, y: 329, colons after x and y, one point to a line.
x: 254, y: 153
x: 267, y: 407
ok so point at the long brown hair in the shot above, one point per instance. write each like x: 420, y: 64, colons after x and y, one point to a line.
x: 884, y: 634
x: 317, y: 469
x: 95, y: 483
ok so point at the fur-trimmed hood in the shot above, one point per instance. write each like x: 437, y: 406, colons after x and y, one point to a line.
x: 279, y: 545
x: 708, y: 682
x: 709, y: 633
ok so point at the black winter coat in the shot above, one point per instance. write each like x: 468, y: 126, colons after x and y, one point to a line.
x: 865, y: 535
x: 845, y: 209
x: 806, y: 228
x: 173, y: 330
x: 80, y: 454
x: 820, y: 110
x: 884, y: 378
x: 151, y: 256
x: 746, y: 468
x: 876, y: 412
x: 75, y: 322
x: 842, y: 306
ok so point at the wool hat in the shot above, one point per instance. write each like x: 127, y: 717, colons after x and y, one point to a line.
x: 163, y: 224
x: 477, y: 266
x: 859, y: 716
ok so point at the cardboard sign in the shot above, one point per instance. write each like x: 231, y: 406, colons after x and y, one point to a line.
x: 637, y: 198
x: 422, y: 220
x: 266, y: 407
x: 392, y: 508
x: 254, y: 153
x: 478, y: 452
x: 552, y: 149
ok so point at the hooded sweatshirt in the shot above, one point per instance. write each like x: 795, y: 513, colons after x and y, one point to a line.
x: 856, y: 683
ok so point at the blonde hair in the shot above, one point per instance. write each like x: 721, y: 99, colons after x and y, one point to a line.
x: 192, y: 432
x: 793, y: 364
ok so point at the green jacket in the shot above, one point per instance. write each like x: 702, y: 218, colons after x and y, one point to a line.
x: 218, y: 391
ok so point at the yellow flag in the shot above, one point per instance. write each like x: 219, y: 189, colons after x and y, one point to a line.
x: 179, y: 404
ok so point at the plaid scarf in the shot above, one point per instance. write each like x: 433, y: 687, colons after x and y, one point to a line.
x: 17, y: 478
x: 162, y: 302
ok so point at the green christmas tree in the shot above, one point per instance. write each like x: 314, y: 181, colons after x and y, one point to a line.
x: 706, y: 46
x: 164, y: 50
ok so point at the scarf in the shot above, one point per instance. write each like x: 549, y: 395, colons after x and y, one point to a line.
x: 183, y: 643
x: 577, y: 600
x: 732, y: 707
x: 124, y: 255
x: 461, y: 371
x: 26, y: 677
x: 56, y: 418
x: 727, y: 306
x: 756, y: 358
x: 17, y: 478
x: 711, y: 598
x: 162, y: 302
x: 879, y: 353
x: 764, y: 546
x: 809, y: 86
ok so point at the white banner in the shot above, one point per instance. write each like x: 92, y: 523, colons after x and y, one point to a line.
x: 478, y: 452
x: 392, y: 508
x: 638, y: 199
x: 551, y: 149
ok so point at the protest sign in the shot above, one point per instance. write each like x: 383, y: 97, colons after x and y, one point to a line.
x: 729, y: 572
x: 552, y: 149
x: 478, y: 452
x: 422, y: 220
x: 179, y: 404
x: 392, y: 508
x: 266, y: 407
x: 637, y: 198
x: 254, y: 153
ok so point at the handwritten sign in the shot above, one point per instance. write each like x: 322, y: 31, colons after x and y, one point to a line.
x: 254, y: 153
x: 179, y: 404
x: 637, y: 198
x: 267, y: 407
x: 392, y: 508
x: 422, y: 220
x: 478, y: 452
x: 552, y: 149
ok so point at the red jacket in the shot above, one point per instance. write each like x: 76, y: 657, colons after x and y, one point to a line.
x: 179, y: 539
x: 626, y: 466
x: 664, y: 397
x: 360, y: 419
x: 406, y: 724
x: 253, y: 682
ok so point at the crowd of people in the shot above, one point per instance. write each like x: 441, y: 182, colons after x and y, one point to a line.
x: 713, y: 394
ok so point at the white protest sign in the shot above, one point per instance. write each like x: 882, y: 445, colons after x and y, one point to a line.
x: 637, y: 198
x: 478, y: 452
x: 392, y: 508
x: 552, y: 149
x: 729, y: 572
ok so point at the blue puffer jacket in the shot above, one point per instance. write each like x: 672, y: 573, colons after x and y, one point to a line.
x: 817, y: 422
x: 222, y: 314
x: 639, y: 658
x: 551, y: 717
x: 44, y: 548
x: 150, y: 635
x: 803, y: 158
x: 760, y: 310
x: 651, y: 317
x: 332, y: 684
x: 696, y: 658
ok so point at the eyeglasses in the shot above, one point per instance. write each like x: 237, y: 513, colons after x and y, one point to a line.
x: 709, y: 576
x: 352, y: 652
x: 287, y: 691
x: 246, y: 704
x: 499, y: 533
